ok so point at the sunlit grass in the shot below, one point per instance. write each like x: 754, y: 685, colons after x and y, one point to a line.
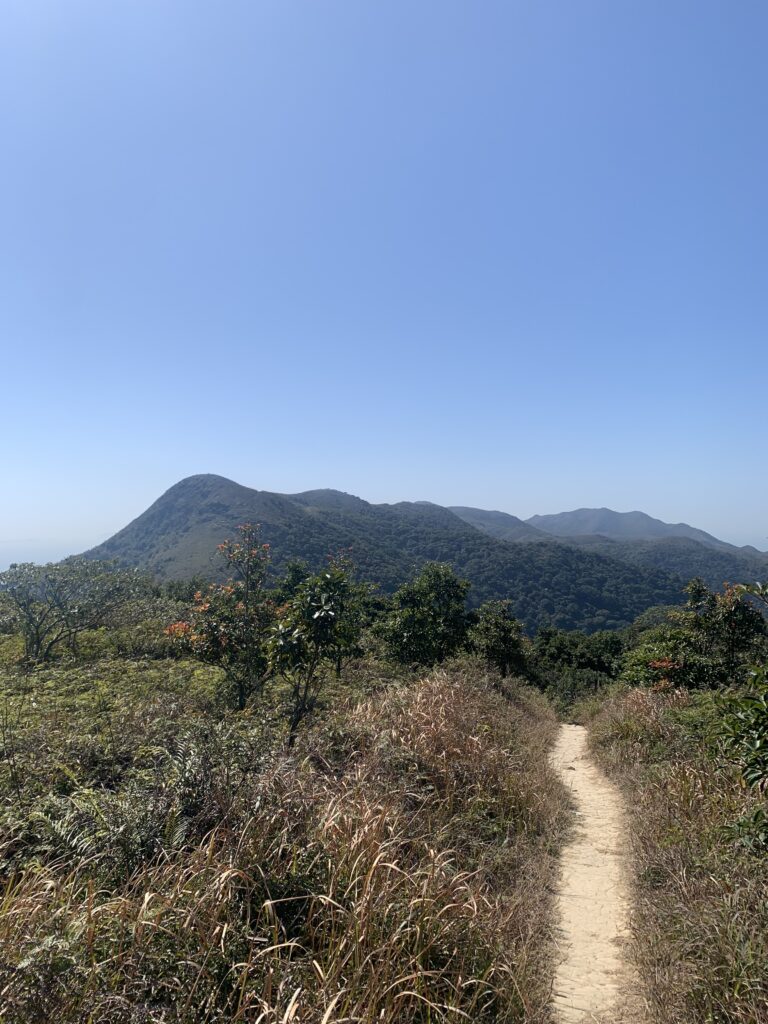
x: 164, y: 860
x: 700, y: 923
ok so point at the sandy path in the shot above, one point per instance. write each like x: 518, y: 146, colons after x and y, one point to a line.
x: 592, y: 979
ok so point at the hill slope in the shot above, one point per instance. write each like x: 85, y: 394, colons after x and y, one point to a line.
x: 547, y: 582
x: 619, y: 526
x: 501, y: 525
x: 684, y: 557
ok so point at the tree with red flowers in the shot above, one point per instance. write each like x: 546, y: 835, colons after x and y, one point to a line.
x: 230, y: 622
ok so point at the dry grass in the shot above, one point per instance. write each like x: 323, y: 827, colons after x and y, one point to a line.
x: 701, y: 901
x: 395, y: 869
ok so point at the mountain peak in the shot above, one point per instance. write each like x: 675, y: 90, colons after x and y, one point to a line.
x: 177, y: 537
x: 606, y: 522
x: 327, y: 498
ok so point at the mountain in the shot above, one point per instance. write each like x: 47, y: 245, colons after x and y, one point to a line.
x: 501, y: 525
x: 634, y: 538
x: 619, y: 526
x: 547, y: 582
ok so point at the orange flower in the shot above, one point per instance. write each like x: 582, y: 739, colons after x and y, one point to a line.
x: 178, y: 630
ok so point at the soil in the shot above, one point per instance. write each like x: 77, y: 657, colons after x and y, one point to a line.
x: 594, y: 980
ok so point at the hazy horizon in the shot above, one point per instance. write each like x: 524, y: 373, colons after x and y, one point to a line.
x: 503, y: 255
x: 38, y: 549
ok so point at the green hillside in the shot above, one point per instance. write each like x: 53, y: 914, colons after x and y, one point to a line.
x: 501, y: 525
x: 619, y: 526
x: 683, y: 551
x: 684, y: 557
x: 547, y: 582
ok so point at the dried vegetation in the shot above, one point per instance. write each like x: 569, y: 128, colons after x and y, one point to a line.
x: 701, y: 897
x: 165, y: 863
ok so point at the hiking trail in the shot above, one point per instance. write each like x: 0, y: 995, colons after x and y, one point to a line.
x: 593, y: 976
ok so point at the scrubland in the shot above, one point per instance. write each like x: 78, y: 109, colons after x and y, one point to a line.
x: 700, y: 919
x: 299, y: 800
x: 166, y: 859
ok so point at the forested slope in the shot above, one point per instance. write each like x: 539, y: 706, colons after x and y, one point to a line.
x: 637, y: 540
x: 547, y: 582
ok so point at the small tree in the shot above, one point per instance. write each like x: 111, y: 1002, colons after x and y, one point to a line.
x: 230, y: 622
x: 295, y: 573
x: 51, y: 605
x: 724, y: 626
x: 668, y: 656
x: 497, y: 636
x: 428, y: 621
x: 315, y: 629
x: 709, y: 643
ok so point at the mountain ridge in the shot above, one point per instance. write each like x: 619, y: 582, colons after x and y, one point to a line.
x: 683, y: 555
x: 504, y: 525
x: 633, y: 525
x: 547, y: 581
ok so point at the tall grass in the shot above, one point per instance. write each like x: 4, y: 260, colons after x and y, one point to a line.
x: 701, y: 897
x: 395, y: 868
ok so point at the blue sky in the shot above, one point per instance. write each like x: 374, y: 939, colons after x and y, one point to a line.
x: 506, y: 254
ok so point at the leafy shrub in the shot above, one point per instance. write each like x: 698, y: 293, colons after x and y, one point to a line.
x: 745, y: 729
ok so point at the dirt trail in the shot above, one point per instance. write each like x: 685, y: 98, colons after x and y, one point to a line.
x: 593, y: 977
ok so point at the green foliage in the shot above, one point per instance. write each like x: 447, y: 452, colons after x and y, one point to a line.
x: 285, y: 588
x: 683, y: 557
x: 709, y: 643
x: 657, y: 615
x: 669, y: 655
x: 238, y: 625
x: 727, y: 624
x: 547, y: 582
x: 569, y: 665
x: 496, y: 636
x: 557, y: 649
x: 745, y: 732
x: 745, y: 729
x: 750, y: 831
x: 230, y: 623
x: 51, y: 605
x: 72, y: 725
x: 318, y: 627
x: 428, y: 621
x: 183, y: 590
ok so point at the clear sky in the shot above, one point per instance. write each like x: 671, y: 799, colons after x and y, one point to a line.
x: 505, y: 254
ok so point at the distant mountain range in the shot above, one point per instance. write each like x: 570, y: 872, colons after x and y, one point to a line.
x: 621, y: 526
x: 614, y: 566
x: 632, y: 537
